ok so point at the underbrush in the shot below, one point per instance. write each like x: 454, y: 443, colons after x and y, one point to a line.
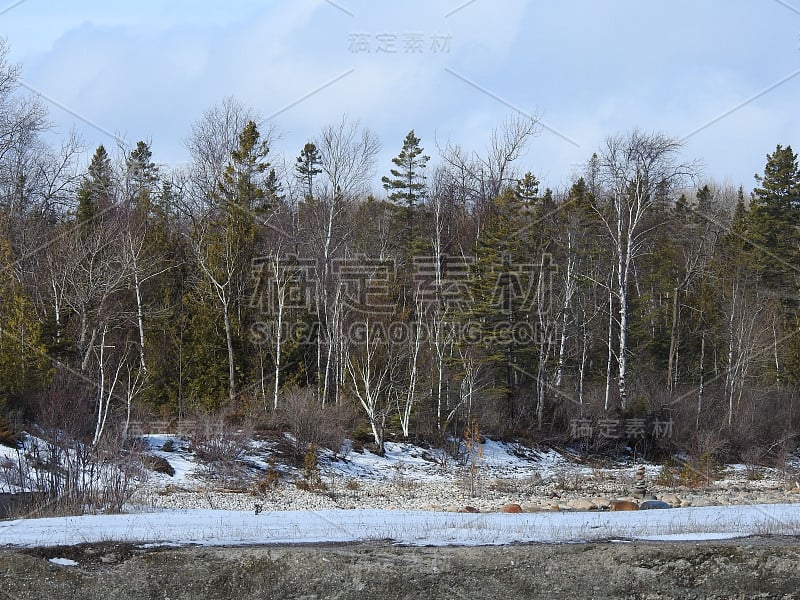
x: 53, y: 474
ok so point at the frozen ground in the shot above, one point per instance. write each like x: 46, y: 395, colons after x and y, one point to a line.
x: 419, y: 528
x: 413, y: 496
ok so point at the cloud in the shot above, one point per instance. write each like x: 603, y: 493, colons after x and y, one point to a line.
x: 149, y: 69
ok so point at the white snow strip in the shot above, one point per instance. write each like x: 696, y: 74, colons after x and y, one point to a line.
x: 64, y: 562
x: 220, y: 528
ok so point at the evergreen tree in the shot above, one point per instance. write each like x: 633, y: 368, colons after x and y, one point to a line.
x: 248, y: 183
x: 24, y: 365
x: 499, y: 304
x: 226, y: 248
x: 142, y: 175
x: 774, y: 221
x: 307, y: 167
x: 406, y: 186
x: 95, y: 193
x: 527, y: 189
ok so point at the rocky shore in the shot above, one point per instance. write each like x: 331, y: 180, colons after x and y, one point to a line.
x: 491, y: 496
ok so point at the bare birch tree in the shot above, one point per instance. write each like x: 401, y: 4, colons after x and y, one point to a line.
x: 636, y: 172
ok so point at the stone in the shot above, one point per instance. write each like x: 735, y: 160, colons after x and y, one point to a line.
x: 640, y: 487
x: 582, y: 504
x: 653, y: 504
x: 671, y: 499
x: 511, y: 508
x: 602, y: 503
x: 469, y: 509
x: 109, y: 558
x: 623, y: 505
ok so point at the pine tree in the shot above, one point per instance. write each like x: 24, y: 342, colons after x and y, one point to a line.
x: 498, y: 288
x: 24, y: 365
x: 95, y: 193
x: 774, y: 221
x: 142, y: 175
x: 307, y: 167
x: 247, y: 189
x: 248, y: 183
x: 406, y: 186
x: 527, y: 189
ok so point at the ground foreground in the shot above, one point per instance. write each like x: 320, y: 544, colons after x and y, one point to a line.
x: 754, y: 567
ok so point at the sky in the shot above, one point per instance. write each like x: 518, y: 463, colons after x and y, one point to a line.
x: 723, y: 75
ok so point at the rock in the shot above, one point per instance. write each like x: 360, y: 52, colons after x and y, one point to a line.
x: 511, y: 508
x: 109, y: 558
x: 640, y: 487
x: 623, y: 505
x: 671, y: 499
x: 469, y: 509
x: 602, y: 503
x: 554, y: 507
x: 703, y: 502
x: 582, y: 504
x: 653, y: 504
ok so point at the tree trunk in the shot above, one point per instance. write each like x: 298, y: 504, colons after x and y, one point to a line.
x: 231, y: 358
x: 609, y: 342
x: 673, y: 341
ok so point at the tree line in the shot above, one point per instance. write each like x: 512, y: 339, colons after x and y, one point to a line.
x: 459, y: 293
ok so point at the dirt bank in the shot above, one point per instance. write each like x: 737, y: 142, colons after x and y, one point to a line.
x: 765, y: 568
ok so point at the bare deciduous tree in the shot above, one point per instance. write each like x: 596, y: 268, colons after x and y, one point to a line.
x: 636, y: 172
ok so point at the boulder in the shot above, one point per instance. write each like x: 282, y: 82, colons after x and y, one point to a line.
x: 653, y: 504
x: 511, y: 508
x: 623, y: 505
x: 582, y: 504
x: 671, y: 499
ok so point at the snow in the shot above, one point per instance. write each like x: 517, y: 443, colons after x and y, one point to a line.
x: 496, y: 460
x: 418, y: 528
x: 64, y: 562
x: 187, y: 526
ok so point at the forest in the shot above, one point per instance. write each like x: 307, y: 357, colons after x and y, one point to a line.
x: 643, y: 305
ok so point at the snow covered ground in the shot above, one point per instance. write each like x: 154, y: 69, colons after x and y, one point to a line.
x: 223, y: 528
x: 386, y: 489
x: 496, y: 460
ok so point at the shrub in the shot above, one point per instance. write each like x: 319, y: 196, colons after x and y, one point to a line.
x: 473, y: 458
x: 312, y: 423
x: 311, y: 472
x: 8, y: 435
x: 222, y: 448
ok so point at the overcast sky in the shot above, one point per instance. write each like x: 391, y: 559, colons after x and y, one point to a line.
x: 725, y: 73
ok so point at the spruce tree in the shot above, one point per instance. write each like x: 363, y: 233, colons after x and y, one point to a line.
x: 24, y: 366
x: 95, y: 193
x: 774, y: 221
x: 406, y: 186
x: 142, y: 175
